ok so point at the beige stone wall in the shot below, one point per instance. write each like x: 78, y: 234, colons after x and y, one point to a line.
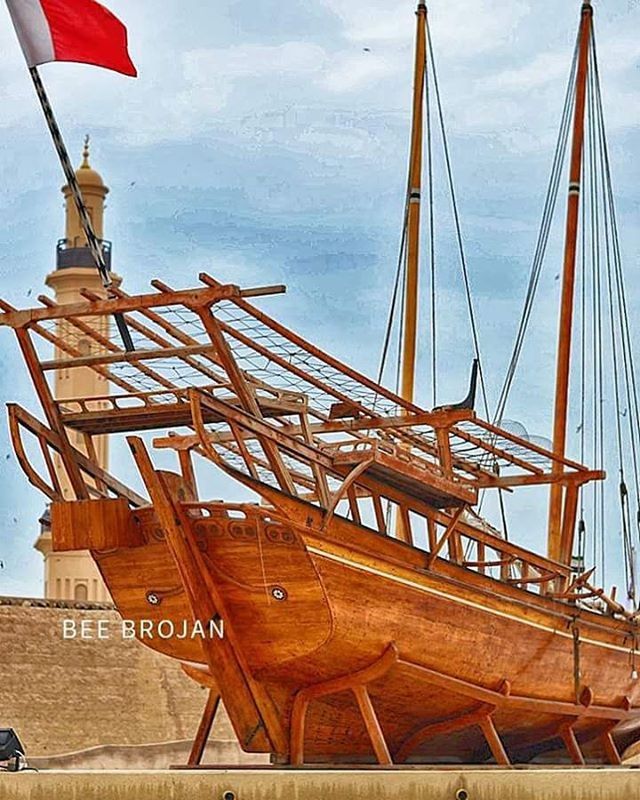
x: 68, y: 695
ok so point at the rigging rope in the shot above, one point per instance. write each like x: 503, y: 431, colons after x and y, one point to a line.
x: 603, y: 295
x: 543, y: 234
x: 401, y: 265
x: 458, y: 226
x: 615, y: 281
x: 432, y: 248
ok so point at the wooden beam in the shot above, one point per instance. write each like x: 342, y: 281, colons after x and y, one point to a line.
x: 124, y: 357
x: 499, y: 699
x: 252, y: 718
x: 99, y: 308
x: 294, y: 338
x: 494, y: 741
x: 204, y: 728
x: 342, y: 490
x: 571, y: 743
x: 528, y: 445
x: 105, y: 342
x: 555, y: 544
x: 174, y: 332
x: 343, y: 683
x: 450, y: 530
x: 569, y: 514
x: 322, y: 487
x: 372, y: 725
x: 262, y: 429
x: 543, y: 479
x: 610, y: 749
x: 52, y: 414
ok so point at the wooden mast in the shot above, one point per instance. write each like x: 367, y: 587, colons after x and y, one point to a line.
x: 413, y: 216
x: 560, y: 542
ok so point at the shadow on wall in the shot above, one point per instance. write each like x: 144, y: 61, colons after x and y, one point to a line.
x: 147, y: 756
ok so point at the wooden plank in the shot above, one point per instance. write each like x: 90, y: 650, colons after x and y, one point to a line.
x: 93, y: 525
x: 124, y: 357
x: 372, y: 724
x: 204, y: 728
x: 450, y: 530
x: 150, y: 416
x: 413, y: 478
x: 190, y: 297
x: 571, y: 743
x: 494, y: 742
x: 540, y: 479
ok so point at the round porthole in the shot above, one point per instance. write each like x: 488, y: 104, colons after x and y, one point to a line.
x: 462, y: 794
x: 278, y: 593
x: 153, y: 599
x: 228, y: 795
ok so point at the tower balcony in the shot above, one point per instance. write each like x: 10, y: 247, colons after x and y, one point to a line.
x: 68, y: 256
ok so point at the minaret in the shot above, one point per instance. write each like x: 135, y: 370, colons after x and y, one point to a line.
x: 73, y: 575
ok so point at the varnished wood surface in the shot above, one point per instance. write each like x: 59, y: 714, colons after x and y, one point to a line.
x: 447, y: 628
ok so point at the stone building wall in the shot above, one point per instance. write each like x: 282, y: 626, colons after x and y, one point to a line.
x: 64, y: 696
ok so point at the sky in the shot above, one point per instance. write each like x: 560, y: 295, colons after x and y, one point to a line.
x: 267, y: 143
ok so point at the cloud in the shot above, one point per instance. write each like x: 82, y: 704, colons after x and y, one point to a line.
x: 300, y: 59
x: 461, y: 28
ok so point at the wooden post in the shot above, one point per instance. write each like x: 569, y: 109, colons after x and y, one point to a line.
x: 372, y: 725
x: 610, y: 749
x: 569, y: 514
x: 204, y: 728
x: 571, y: 743
x: 413, y: 213
x: 494, y: 742
x: 555, y: 544
x: 254, y: 719
x: 51, y: 411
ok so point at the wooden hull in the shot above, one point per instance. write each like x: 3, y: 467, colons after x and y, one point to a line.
x: 306, y: 607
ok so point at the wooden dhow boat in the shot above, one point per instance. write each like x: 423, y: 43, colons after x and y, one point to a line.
x: 369, y: 613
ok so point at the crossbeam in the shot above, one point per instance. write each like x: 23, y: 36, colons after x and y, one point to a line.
x: 99, y: 308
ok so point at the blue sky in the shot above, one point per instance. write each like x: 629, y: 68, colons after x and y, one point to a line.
x: 263, y: 144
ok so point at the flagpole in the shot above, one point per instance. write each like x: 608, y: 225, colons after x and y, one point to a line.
x: 83, y: 214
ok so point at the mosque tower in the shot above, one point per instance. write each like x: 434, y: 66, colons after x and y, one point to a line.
x: 74, y: 575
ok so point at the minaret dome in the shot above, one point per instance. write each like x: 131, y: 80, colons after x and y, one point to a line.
x: 94, y: 192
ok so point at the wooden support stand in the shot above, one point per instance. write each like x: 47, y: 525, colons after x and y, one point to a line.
x: 206, y: 679
x: 357, y: 683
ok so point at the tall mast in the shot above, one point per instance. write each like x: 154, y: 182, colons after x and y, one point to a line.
x: 560, y: 542
x: 409, y: 343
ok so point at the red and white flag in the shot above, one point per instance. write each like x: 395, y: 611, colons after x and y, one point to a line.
x: 71, y: 30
